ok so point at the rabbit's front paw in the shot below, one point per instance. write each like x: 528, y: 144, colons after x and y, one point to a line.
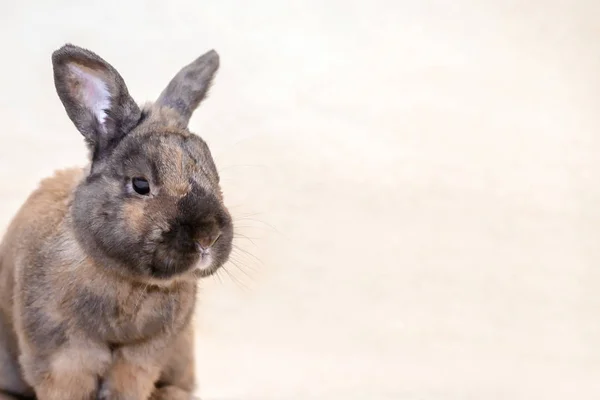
x: 125, y: 383
x: 106, y: 392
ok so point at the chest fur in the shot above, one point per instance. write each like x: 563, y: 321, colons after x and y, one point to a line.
x: 121, y: 316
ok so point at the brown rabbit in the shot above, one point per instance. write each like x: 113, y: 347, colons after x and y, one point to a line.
x: 98, y: 269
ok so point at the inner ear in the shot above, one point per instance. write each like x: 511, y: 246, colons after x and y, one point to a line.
x: 89, y: 87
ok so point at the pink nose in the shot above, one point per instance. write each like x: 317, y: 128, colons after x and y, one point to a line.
x: 206, y: 242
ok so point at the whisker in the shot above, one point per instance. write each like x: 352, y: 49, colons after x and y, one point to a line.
x: 248, y: 262
x: 237, y: 265
x: 235, y: 280
x: 248, y: 253
x: 264, y: 228
x: 247, y: 269
x: 218, y: 276
x: 241, y: 236
x: 255, y: 220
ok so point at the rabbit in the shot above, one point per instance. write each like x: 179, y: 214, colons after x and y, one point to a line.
x: 99, y: 267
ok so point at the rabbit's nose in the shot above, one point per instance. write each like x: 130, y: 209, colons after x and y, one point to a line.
x: 206, y: 242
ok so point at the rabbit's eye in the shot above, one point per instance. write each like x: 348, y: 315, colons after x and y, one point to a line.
x: 141, y: 186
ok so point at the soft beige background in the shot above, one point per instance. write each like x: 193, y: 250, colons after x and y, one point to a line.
x: 420, y: 181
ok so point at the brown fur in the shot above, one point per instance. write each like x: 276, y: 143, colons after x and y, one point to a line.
x: 81, y: 318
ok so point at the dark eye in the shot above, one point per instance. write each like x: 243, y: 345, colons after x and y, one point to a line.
x: 141, y: 186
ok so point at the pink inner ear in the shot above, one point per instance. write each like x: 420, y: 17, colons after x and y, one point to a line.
x: 92, y: 91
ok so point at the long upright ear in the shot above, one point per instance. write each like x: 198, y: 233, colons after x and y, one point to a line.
x: 95, y: 97
x: 190, y: 86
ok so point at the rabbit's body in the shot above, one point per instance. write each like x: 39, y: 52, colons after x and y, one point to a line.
x: 98, y: 281
x: 101, y: 306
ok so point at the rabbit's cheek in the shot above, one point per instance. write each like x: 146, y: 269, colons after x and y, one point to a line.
x: 135, y: 216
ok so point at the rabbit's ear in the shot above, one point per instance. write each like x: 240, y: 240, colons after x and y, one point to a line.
x: 95, y: 97
x: 190, y: 86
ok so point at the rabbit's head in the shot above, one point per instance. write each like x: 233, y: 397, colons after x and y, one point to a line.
x: 151, y: 205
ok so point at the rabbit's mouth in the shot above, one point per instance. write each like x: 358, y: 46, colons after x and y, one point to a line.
x: 197, y: 258
x: 205, y: 265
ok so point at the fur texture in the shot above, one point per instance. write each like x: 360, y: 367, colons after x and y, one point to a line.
x: 97, y: 273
